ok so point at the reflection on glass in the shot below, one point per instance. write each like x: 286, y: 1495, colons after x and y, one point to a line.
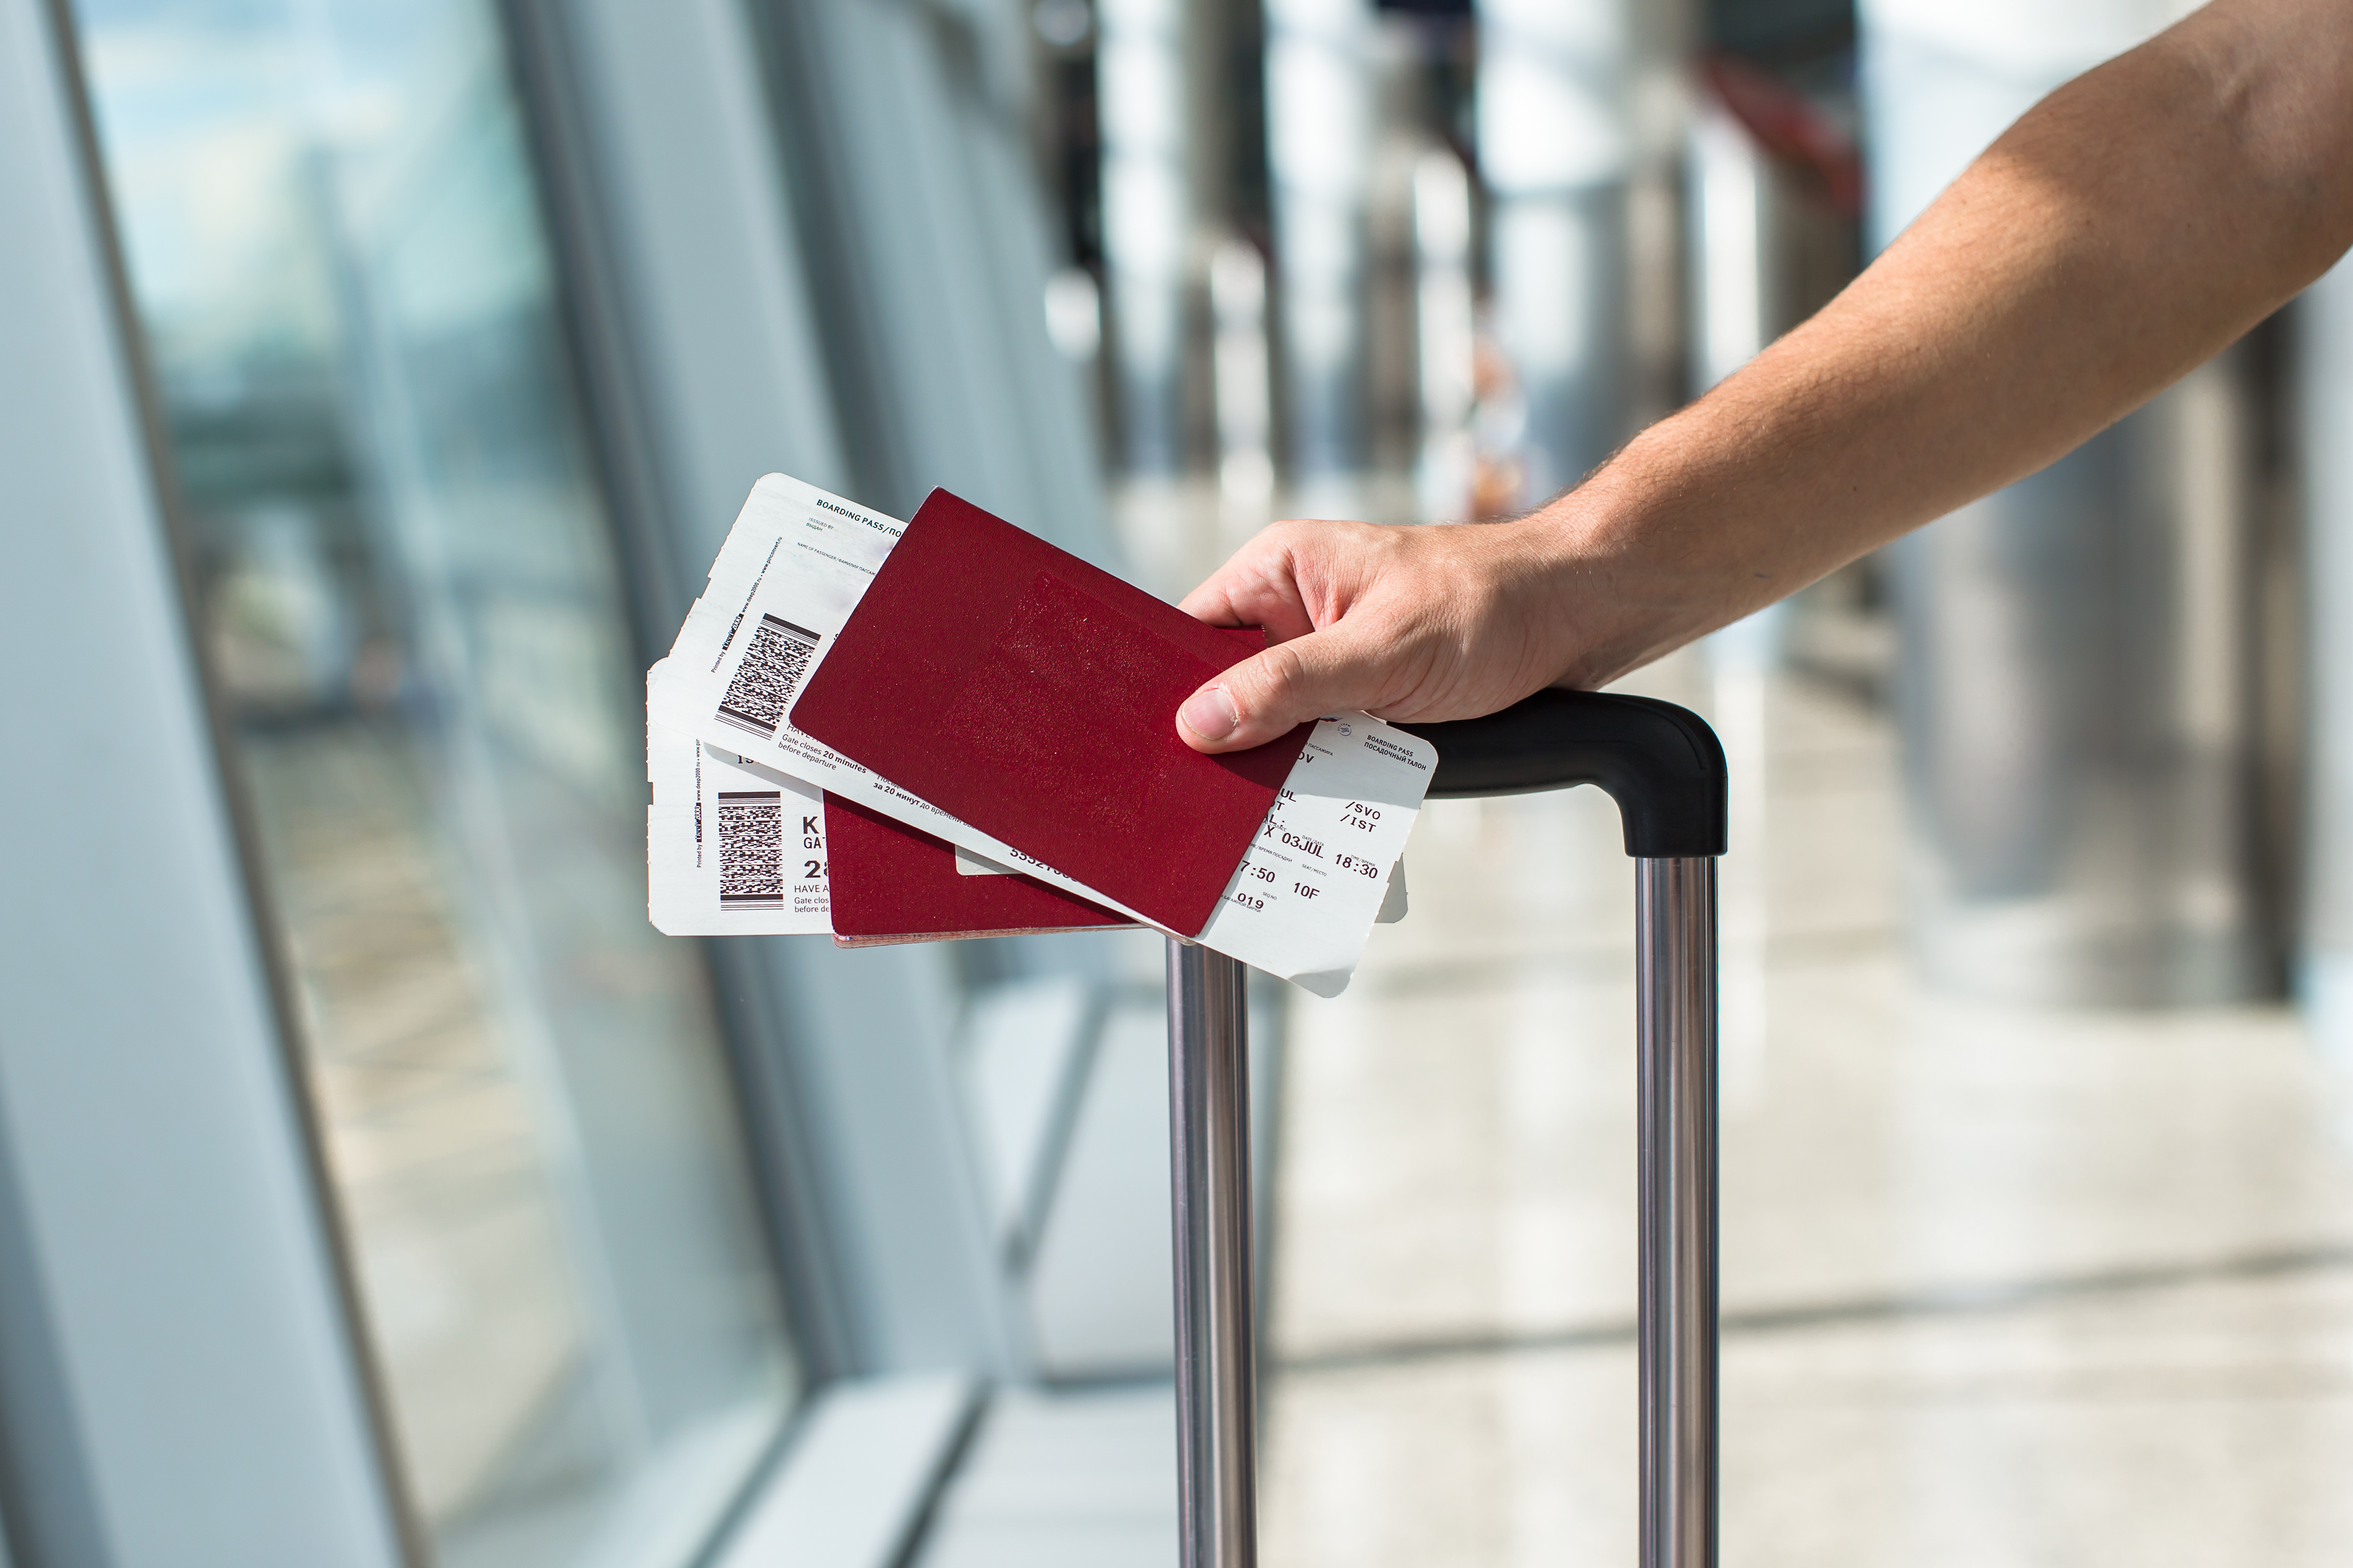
x: 407, y: 584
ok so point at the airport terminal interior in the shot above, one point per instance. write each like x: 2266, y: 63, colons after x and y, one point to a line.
x: 379, y: 1187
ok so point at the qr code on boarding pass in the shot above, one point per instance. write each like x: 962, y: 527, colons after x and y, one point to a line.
x: 750, y: 849
x: 775, y: 663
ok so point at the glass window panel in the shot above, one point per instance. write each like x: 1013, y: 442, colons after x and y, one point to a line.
x: 409, y: 590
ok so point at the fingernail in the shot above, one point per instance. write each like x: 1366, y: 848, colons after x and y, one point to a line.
x: 1209, y: 714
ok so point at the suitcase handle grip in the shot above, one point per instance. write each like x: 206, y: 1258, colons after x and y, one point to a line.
x: 1661, y: 763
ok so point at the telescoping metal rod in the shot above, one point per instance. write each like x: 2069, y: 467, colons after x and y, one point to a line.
x: 1216, y: 1392
x: 1675, y: 1051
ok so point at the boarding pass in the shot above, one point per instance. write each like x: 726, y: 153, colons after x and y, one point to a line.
x: 732, y: 849
x: 1299, y: 904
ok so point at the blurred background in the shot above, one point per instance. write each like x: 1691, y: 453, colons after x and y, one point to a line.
x: 378, y: 379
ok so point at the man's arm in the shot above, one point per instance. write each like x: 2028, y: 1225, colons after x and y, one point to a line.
x: 2127, y: 229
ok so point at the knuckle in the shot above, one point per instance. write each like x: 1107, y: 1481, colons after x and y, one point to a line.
x: 1279, y: 670
x: 1264, y: 687
x: 1287, y: 540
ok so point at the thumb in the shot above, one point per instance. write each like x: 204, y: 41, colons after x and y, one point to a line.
x: 1263, y: 697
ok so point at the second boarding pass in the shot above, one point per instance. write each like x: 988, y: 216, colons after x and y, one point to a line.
x: 1299, y: 903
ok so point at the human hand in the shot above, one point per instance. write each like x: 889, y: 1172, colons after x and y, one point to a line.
x: 1438, y: 623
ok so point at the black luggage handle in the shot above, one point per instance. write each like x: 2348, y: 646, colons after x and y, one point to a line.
x: 1665, y: 769
x: 1661, y: 763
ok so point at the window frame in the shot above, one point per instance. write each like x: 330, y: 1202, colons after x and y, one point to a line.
x: 174, y: 1258
x: 841, y: 1062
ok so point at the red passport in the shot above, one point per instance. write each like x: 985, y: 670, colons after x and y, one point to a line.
x: 1016, y: 686
x: 894, y: 883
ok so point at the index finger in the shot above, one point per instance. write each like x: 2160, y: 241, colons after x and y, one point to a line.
x: 1252, y: 589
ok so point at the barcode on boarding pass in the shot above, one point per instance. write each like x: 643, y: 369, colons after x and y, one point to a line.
x: 750, y: 849
x: 774, y: 662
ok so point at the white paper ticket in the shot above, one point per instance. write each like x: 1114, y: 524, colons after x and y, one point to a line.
x: 732, y: 849
x: 1317, y: 874
x: 795, y: 565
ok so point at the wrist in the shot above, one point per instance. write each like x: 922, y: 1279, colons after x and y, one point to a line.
x: 1623, y: 573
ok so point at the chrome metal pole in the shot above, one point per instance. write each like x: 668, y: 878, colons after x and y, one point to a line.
x: 1674, y: 914
x: 1209, y: 1127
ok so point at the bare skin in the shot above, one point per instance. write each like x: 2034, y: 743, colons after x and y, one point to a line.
x: 2131, y: 226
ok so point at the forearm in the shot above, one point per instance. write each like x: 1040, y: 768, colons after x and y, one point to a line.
x: 2130, y: 226
x: 2134, y: 223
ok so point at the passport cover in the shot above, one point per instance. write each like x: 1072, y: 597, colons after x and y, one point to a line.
x: 1014, y: 686
x: 893, y: 883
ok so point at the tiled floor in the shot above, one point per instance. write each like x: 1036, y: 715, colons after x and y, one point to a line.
x: 2000, y: 1288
